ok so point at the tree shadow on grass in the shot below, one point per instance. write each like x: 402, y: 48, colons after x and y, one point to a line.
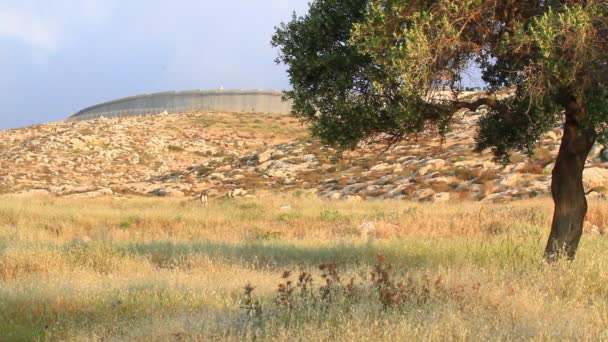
x: 281, y: 254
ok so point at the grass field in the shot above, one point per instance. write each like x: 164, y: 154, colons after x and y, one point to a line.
x: 168, y: 270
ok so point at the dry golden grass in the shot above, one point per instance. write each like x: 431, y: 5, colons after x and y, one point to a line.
x: 157, y: 269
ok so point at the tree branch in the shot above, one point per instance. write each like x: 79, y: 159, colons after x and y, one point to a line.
x: 488, y: 101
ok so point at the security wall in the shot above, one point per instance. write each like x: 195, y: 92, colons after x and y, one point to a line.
x: 262, y: 101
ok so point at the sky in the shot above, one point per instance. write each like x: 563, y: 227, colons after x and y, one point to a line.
x: 59, y: 56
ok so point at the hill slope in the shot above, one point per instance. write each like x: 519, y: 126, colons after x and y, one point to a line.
x: 182, y: 154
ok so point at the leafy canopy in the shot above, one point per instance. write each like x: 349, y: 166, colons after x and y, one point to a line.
x: 363, y: 69
x: 332, y: 80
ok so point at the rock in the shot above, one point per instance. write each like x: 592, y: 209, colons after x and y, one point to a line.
x: 335, y: 196
x: 592, y: 229
x: 595, y: 177
x: 604, y: 155
x: 467, y: 163
x: 596, y: 195
x: 263, y: 167
x: 488, y: 165
x: 278, y: 154
x: 595, y: 152
x: 384, y: 180
x: 482, y: 110
x: 424, y: 194
x: 224, y: 168
x: 437, y: 164
x: 380, y: 167
x: 239, y: 192
x: 552, y: 136
x: 441, y: 197
x: 509, y: 180
x: 518, y: 167
x: 91, y: 194
x: 492, y: 197
x: 266, y: 155
x: 433, y: 164
x: 217, y: 176
x: 424, y: 170
x: 443, y: 180
x: 353, y: 188
x: 276, y: 173
x: 35, y: 192
x: 289, y: 180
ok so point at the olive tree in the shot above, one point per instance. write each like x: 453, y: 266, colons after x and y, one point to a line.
x: 553, y: 56
x: 333, y: 83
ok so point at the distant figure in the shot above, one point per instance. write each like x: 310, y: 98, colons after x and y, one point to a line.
x: 230, y: 193
x: 204, y: 198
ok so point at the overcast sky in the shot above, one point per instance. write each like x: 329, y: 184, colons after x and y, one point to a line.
x: 58, y: 56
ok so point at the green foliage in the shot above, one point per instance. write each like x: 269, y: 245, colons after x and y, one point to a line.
x: 333, y: 216
x: 128, y: 222
x: 408, y: 53
x: 332, y: 81
x: 516, y: 128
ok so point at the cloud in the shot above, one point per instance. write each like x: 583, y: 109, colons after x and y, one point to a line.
x: 45, y: 26
x: 29, y: 29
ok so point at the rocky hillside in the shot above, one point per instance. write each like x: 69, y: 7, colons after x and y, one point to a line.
x: 248, y: 154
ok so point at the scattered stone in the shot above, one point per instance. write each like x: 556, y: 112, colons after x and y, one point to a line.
x: 217, y: 176
x: 239, y: 192
x: 335, y: 196
x: 441, y: 197
x: 35, y: 192
x: 509, y: 180
x: 136, y: 155
x: 424, y: 194
x: 265, y: 156
x: 380, y: 167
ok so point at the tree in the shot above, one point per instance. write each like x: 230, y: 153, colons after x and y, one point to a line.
x: 332, y: 81
x: 552, y: 54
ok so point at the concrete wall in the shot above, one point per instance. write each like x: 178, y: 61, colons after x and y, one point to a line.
x: 263, y: 101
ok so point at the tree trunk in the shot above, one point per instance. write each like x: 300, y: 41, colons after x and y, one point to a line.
x: 567, y: 184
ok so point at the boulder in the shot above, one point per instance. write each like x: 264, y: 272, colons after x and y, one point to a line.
x: 276, y: 173
x: 335, y: 195
x: 217, y: 176
x: 380, y: 167
x: 552, y: 136
x: 266, y: 155
x: 424, y: 194
x: 509, y: 180
x: 239, y: 192
x: 595, y: 177
x: 437, y: 164
x: 441, y: 197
